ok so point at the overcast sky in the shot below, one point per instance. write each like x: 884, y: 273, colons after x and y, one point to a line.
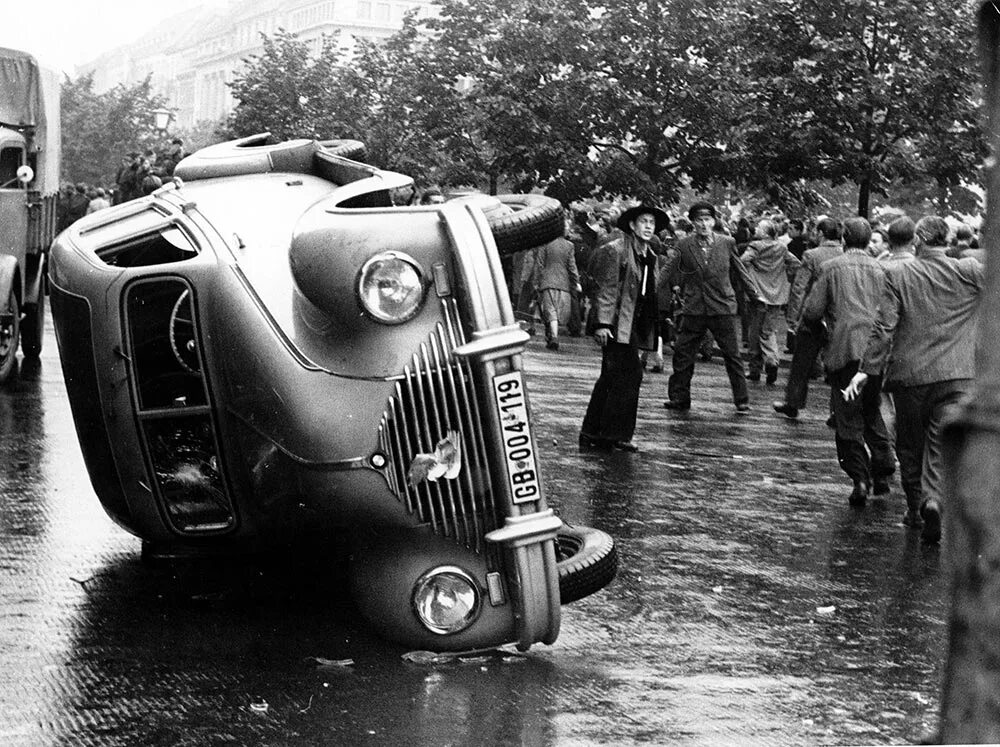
x: 66, y: 33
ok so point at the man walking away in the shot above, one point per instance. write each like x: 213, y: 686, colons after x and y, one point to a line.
x: 556, y: 280
x: 924, y: 340
x: 770, y: 264
x: 809, y: 335
x: 846, y: 296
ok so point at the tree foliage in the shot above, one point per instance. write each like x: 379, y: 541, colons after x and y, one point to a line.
x: 645, y: 98
x: 99, y: 129
x: 866, y: 92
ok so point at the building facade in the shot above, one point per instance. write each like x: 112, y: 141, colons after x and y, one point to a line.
x: 192, y: 57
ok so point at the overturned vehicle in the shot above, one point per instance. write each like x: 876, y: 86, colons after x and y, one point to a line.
x: 273, y: 348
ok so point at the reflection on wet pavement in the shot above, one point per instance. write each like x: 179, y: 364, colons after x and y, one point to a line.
x: 752, y: 605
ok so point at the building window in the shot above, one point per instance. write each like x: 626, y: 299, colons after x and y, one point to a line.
x: 364, y: 10
x: 382, y: 12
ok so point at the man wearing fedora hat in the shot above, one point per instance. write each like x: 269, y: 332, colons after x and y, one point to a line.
x: 626, y: 321
x: 702, y: 268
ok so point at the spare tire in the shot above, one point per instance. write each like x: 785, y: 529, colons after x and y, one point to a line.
x: 352, y: 149
x: 255, y: 154
x: 533, y: 220
x: 587, y: 561
x: 518, y: 221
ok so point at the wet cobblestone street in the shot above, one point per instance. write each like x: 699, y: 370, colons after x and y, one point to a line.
x: 752, y: 605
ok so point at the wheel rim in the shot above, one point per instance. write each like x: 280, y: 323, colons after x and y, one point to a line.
x: 8, y: 328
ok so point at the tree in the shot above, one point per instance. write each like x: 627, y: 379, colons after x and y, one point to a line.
x: 98, y: 129
x: 514, y: 81
x: 858, y: 91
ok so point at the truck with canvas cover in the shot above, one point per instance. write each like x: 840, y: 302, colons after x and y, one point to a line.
x: 29, y: 184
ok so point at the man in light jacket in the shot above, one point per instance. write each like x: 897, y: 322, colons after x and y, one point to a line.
x: 770, y: 263
x: 924, y: 344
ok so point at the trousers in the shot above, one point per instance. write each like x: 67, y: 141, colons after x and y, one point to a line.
x: 689, y: 335
x: 863, y: 447
x: 921, y: 412
x: 614, y: 403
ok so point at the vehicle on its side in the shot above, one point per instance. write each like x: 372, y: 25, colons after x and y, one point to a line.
x: 270, y: 350
x: 29, y: 185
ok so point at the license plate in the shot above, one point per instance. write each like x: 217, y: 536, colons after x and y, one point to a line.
x: 515, y: 431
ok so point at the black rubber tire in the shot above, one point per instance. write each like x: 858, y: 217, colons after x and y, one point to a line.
x: 33, y: 327
x: 8, y: 357
x: 254, y: 154
x: 587, y: 560
x: 534, y: 220
x: 352, y: 149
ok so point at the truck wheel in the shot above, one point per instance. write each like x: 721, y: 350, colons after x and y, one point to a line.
x: 10, y: 330
x: 533, y: 220
x: 587, y: 561
x: 33, y: 327
x: 353, y: 149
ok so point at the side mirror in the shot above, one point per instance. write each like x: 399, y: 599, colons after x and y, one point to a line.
x: 25, y: 174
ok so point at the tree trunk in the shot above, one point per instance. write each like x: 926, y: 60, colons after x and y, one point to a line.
x: 970, y: 702
x: 943, y: 199
x: 864, y: 195
x: 493, y: 182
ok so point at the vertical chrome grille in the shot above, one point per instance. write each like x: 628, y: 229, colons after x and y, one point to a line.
x: 438, y: 394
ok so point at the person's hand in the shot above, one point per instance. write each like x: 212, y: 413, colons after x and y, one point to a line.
x: 602, y: 336
x: 855, y: 386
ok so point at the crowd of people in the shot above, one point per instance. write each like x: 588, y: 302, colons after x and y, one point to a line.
x: 884, y: 312
x: 139, y: 173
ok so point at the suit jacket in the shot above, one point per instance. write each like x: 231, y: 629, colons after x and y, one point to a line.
x: 555, y: 266
x: 925, y: 331
x: 619, y: 270
x: 807, y: 275
x: 707, y: 279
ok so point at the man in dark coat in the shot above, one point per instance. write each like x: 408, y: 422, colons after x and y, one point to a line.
x: 625, y: 321
x: 809, y: 335
x: 703, y: 268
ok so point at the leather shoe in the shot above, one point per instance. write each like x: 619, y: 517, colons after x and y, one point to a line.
x: 771, y: 373
x: 785, y: 409
x: 859, y: 495
x: 672, y: 404
x: 592, y: 442
x: 625, y: 446
x: 880, y: 485
x: 930, y: 512
x: 742, y: 408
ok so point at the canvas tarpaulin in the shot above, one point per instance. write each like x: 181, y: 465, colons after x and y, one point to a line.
x: 29, y: 95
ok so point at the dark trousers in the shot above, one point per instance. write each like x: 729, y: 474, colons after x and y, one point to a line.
x: 692, y: 328
x: 863, y: 447
x: 921, y: 412
x: 614, y: 402
x: 809, y: 341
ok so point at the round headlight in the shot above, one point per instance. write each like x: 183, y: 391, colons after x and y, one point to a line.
x: 446, y: 600
x: 390, y: 287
